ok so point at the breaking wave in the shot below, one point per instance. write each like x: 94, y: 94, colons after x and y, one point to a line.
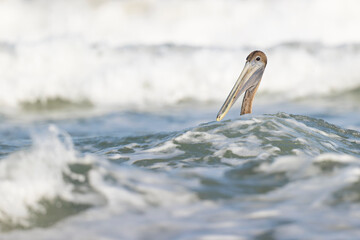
x: 280, y: 171
x: 70, y: 73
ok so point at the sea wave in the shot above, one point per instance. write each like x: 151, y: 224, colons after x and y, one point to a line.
x: 257, y: 161
x: 250, y: 138
x: 157, y: 53
x: 202, y: 22
x: 51, y: 181
x: 35, y: 182
x: 69, y: 72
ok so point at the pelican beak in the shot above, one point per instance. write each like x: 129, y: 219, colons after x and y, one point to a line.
x: 249, y: 78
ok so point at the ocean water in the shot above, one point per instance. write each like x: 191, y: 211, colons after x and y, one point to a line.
x: 108, y: 131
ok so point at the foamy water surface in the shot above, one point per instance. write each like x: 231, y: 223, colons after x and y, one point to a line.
x: 107, y: 120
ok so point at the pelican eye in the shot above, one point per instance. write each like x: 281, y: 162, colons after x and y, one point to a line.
x: 257, y: 59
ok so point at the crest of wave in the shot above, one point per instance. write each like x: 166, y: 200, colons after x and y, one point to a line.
x: 38, y: 173
x: 158, y: 76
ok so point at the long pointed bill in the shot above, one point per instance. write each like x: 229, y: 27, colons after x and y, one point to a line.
x: 249, y: 77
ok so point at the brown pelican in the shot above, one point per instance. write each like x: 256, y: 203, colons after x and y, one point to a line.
x: 249, y: 81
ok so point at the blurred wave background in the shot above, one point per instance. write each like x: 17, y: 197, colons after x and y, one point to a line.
x: 144, y: 54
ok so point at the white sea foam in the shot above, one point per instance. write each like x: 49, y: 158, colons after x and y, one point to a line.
x: 36, y: 174
x: 104, y: 53
x: 312, y: 195
x: 294, y: 166
x: 31, y: 176
x: 161, y: 75
x: 178, y: 214
x: 339, y: 158
x: 169, y: 203
x: 201, y: 22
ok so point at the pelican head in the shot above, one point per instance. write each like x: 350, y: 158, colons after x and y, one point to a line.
x: 248, y: 82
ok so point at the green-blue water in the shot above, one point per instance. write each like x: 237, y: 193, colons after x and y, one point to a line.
x: 108, y: 131
x: 164, y: 175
